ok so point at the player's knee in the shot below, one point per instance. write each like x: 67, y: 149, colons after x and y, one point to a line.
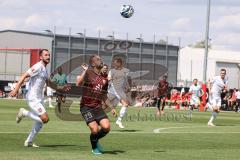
x: 44, y: 119
x: 106, y: 128
x: 94, y: 130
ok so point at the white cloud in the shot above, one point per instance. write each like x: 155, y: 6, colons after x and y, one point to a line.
x: 228, y: 22
x: 182, y: 24
x: 229, y: 38
x: 35, y: 20
x: 8, y: 23
x: 186, y: 34
x: 13, y: 4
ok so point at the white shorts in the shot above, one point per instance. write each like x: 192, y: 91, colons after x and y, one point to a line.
x: 194, y: 101
x: 37, y: 107
x: 49, y: 91
x: 117, y: 93
x: 215, y: 101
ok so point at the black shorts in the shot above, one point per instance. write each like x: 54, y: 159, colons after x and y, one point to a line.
x: 91, y: 114
x: 60, y: 94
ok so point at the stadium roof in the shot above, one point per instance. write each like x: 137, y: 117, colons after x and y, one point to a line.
x: 75, y: 36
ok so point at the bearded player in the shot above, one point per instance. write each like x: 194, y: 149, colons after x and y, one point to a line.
x: 38, y: 76
x: 93, y: 84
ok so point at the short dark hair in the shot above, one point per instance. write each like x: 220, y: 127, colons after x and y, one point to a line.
x: 91, y: 59
x: 105, y: 65
x: 41, y: 51
x: 223, y: 69
x: 118, y: 59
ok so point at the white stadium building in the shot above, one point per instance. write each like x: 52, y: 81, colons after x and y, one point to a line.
x: 191, y: 65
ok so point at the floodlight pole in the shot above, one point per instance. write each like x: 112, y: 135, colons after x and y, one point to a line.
x: 204, y: 84
x: 206, y: 42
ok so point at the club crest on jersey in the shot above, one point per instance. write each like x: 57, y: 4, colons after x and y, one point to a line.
x: 39, y: 110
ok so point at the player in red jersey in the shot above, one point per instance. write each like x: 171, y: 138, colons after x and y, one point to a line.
x: 163, y: 87
x: 93, y: 83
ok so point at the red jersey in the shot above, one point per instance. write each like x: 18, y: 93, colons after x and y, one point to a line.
x: 174, y: 96
x: 93, y: 92
x: 162, y: 87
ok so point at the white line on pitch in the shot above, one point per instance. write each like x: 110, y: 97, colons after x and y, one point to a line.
x: 158, y: 130
x: 126, y: 133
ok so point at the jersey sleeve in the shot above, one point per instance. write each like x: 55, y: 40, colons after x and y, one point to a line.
x: 34, y: 70
x: 110, y: 74
x: 190, y: 89
x: 65, y: 78
x: 54, y: 79
x: 212, y: 80
x: 127, y: 71
x: 226, y: 82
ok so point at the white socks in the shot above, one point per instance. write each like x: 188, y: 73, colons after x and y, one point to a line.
x: 214, y: 116
x: 35, y: 129
x: 122, y: 113
x: 49, y: 101
x: 32, y: 116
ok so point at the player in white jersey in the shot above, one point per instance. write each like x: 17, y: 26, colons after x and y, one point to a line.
x: 118, y: 86
x: 35, y: 97
x: 216, y: 86
x: 195, y: 91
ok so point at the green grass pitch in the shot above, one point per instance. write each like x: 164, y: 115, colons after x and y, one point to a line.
x: 173, y: 136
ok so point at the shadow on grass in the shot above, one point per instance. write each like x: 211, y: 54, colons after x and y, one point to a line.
x: 160, y: 151
x: 114, y: 152
x: 222, y: 125
x: 128, y: 130
x: 61, y: 145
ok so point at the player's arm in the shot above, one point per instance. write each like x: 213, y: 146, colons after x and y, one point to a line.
x: 80, y: 78
x: 110, y: 76
x: 209, y: 85
x: 14, y: 92
x: 129, y: 82
x: 65, y: 79
x: 54, y: 86
x: 226, y: 86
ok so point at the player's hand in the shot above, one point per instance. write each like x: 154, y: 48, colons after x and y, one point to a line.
x: 84, y: 66
x: 13, y: 93
x: 114, y: 112
x: 66, y: 88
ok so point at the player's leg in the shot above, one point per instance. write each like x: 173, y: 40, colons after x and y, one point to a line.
x: 158, y: 105
x: 102, y: 119
x: 163, y: 105
x: 40, y: 112
x: 59, y: 102
x: 237, y: 105
x: 89, y: 116
x: 105, y: 129
x: 122, y: 112
x: 34, y: 114
x: 216, y: 103
x: 50, y: 101
x: 63, y: 98
x: 93, y: 126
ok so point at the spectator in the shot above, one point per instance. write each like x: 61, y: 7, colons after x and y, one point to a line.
x: 237, y: 94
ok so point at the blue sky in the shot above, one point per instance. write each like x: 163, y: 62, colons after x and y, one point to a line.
x: 173, y: 18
